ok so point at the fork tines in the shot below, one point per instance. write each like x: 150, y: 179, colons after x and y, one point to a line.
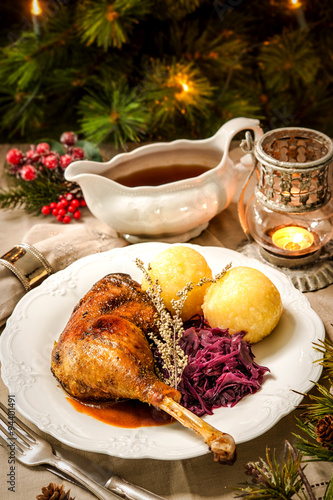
x: 14, y: 431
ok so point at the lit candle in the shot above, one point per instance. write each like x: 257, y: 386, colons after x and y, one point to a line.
x: 36, y: 11
x: 292, y: 238
x: 296, y: 5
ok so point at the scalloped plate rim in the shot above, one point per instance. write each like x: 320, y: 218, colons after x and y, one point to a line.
x: 197, y: 448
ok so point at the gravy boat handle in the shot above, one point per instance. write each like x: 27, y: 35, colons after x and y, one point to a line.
x: 227, y: 132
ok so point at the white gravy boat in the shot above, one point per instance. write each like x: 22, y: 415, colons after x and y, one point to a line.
x: 176, y: 211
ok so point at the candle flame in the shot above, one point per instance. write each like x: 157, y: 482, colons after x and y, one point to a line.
x: 35, y: 8
x: 292, y: 238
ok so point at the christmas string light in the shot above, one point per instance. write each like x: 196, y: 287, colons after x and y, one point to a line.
x: 183, y: 83
x: 297, y: 7
x: 186, y: 88
x: 36, y: 12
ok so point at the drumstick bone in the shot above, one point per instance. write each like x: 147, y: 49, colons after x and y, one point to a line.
x: 221, y: 444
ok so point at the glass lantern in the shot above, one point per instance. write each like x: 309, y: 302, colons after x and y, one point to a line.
x: 290, y: 215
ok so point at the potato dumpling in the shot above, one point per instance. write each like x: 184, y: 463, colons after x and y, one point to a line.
x: 244, y: 299
x: 174, y: 268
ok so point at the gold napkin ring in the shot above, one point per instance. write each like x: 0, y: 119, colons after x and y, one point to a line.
x: 28, y: 265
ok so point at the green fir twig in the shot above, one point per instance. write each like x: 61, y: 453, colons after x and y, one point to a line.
x: 33, y: 195
x: 274, y: 480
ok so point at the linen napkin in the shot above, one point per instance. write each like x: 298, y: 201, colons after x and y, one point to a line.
x: 60, y: 245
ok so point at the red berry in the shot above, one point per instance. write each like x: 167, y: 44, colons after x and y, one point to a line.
x: 32, y: 155
x: 60, y: 218
x: 42, y: 148
x: 69, y: 196
x: 65, y: 160
x: 53, y: 205
x: 14, y: 156
x: 77, y: 154
x: 75, y: 203
x: 66, y: 219
x: 77, y: 214
x: 71, y: 209
x: 83, y: 202
x: 55, y: 212
x: 46, y: 210
x: 68, y: 138
x: 63, y: 203
x: 28, y: 173
x: 62, y: 212
x: 50, y: 161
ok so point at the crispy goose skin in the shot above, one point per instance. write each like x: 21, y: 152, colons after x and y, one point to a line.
x: 103, y: 352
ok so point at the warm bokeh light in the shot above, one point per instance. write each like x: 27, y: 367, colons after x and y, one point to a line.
x: 292, y: 238
x: 185, y: 93
x: 35, y: 8
x: 185, y: 86
x: 294, y: 4
x: 182, y: 81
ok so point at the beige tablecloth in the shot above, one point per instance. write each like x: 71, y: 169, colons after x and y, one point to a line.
x: 191, y: 479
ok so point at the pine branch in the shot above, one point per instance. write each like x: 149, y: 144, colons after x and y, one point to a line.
x: 19, y: 66
x: 329, y: 491
x: 323, y: 404
x: 11, y: 198
x: 212, y: 50
x: 285, y: 80
x: 176, y: 89
x: 312, y: 450
x: 318, y: 416
x: 33, y: 195
x: 169, y: 9
x: 115, y: 112
x: 20, y: 110
x: 289, y: 61
x: 326, y: 348
x: 272, y: 480
x: 109, y: 24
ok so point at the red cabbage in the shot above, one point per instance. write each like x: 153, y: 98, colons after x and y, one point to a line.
x: 220, y: 369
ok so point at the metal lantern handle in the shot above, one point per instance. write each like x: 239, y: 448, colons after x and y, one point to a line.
x: 247, y: 146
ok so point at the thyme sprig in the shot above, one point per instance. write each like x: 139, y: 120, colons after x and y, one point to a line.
x: 170, y: 326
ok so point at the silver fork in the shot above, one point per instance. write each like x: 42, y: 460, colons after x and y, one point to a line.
x: 31, y: 450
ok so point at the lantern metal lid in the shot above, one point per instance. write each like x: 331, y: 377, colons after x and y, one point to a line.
x: 293, y: 168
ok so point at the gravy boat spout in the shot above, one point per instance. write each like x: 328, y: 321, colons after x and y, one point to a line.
x: 200, y: 181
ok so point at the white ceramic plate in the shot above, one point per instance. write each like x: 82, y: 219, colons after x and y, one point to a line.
x: 40, y: 316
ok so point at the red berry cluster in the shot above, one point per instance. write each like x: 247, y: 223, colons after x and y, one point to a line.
x: 40, y: 161
x: 67, y: 207
x: 27, y: 166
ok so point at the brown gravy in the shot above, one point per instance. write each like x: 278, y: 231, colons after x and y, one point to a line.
x: 127, y: 413
x: 156, y: 176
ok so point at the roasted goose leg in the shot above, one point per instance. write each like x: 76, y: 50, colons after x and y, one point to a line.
x: 103, y: 354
